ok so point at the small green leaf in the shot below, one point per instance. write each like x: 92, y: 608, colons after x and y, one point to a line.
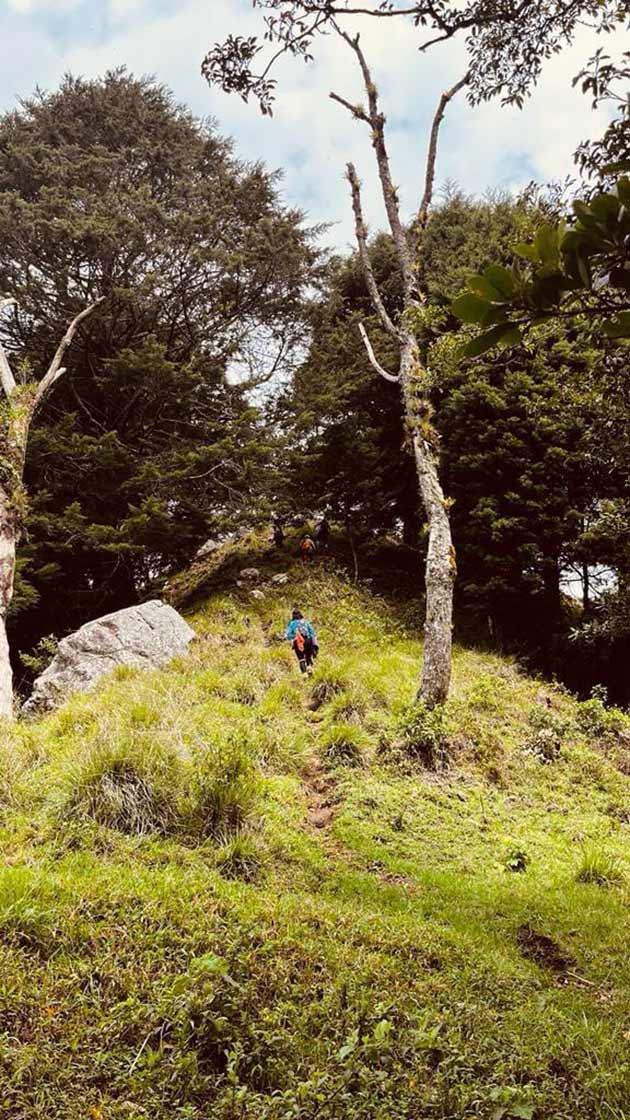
x: 485, y: 341
x: 605, y: 206
x: 482, y: 287
x: 521, y: 1111
x: 501, y: 279
x: 470, y: 308
x: 583, y: 212
x: 623, y: 190
x: 584, y: 272
x: 547, y: 245
x: 495, y: 315
x: 528, y: 252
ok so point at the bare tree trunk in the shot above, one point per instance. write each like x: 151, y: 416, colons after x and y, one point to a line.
x: 440, y: 571
x: 7, y: 573
x: 19, y: 407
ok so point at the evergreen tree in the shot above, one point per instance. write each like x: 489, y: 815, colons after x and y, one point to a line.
x: 146, y: 446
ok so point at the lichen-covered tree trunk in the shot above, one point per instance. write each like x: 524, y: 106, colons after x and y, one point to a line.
x: 440, y: 570
x: 7, y: 575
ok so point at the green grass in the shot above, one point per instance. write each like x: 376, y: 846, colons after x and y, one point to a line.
x: 178, y: 940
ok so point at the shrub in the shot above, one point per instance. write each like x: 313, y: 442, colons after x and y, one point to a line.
x: 596, y: 719
x: 221, y: 792
x: 599, y: 867
x: 344, y: 744
x: 547, y: 735
x: 516, y: 860
x: 484, y: 693
x: 421, y: 734
x: 132, y: 783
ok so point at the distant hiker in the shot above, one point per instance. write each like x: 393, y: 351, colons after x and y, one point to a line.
x: 277, y: 534
x: 322, y: 532
x: 301, y: 634
x: 307, y: 549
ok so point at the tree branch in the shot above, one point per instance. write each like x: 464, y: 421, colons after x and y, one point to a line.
x: 55, y: 370
x: 364, y: 256
x: 371, y: 355
x: 429, y: 179
x: 7, y: 379
x: 357, y: 110
x: 390, y: 196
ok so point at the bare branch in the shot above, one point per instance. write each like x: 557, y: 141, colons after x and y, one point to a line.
x: 55, y: 370
x: 7, y: 379
x: 357, y: 110
x: 371, y: 355
x: 364, y: 256
x: 429, y: 180
x: 390, y: 195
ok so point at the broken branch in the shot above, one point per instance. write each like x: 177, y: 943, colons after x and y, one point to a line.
x: 372, y: 356
x: 55, y: 370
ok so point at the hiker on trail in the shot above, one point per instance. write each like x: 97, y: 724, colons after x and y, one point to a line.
x: 307, y: 549
x: 277, y: 534
x: 322, y: 532
x: 301, y: 634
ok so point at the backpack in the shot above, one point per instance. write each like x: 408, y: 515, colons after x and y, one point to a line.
x: 301, y: 636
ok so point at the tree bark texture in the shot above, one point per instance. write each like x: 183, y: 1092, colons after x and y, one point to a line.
x: 7, y: 572
x: 440, y: 568
x: 440, y: 571
x: 16, y: 415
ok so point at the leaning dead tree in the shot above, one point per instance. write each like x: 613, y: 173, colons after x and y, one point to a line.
x: 20, y: 400
x: 507, y: 41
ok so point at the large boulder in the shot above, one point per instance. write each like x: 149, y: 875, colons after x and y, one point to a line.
x: 146, y: 637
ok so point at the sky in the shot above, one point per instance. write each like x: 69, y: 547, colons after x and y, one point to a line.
x: 310, y: 138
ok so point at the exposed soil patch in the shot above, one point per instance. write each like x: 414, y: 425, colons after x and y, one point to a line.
x: 320, y: 789
x: 543, y: 950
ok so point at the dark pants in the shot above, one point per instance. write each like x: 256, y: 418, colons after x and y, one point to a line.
x: 307, y: 655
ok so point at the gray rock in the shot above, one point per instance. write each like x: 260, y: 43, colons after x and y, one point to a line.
x: 249, y: 574
x: 280, y: 579
x: 256, y: 594
x: 207, y: 549
x: 146, y: 637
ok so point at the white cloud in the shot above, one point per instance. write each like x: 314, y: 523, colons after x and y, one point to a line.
x: 309, y: 136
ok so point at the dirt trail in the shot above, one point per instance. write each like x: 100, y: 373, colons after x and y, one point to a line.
x: 320, y: 790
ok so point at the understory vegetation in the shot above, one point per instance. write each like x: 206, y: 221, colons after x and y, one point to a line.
x: 228, y: 891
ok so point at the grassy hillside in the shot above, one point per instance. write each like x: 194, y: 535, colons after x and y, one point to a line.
x: 228, y: 892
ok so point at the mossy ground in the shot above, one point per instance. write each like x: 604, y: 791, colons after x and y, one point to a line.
x: 393, y: 963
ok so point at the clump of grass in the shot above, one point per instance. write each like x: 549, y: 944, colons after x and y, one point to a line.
x: 25, y: 913
x: 239, y: 858
x: 484, y: 693
x: 598, y: 866
x: 131, y: 783
x: 222, y: 791
x: 421, y: 735
x: 325, y: 688
x: 344, y: 744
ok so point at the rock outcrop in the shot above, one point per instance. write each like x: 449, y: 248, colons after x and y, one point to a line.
x: 146, y: 636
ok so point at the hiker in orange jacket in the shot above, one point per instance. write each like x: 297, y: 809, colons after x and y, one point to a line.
x: 307, y: 549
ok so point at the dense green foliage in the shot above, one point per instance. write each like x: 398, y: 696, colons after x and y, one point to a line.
x: 356, y: 935
x: 143, y: 450
x: 533, y: 452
